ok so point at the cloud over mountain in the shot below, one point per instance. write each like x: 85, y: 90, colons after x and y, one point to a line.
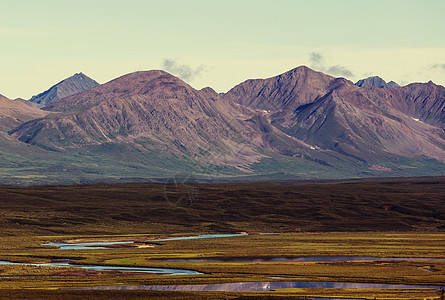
x: 318, y: 62
x: 185, y: 72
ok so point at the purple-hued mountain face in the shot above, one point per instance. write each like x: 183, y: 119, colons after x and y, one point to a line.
x: 15, y: 112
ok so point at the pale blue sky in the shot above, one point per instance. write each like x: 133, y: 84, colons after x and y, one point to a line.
x: 224, y: 42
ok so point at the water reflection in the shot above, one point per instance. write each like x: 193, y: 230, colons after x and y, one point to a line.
x: 261, y: 286
x: 202, y: 236
x: 67, y: 263
x: 274, y: 259
x: 113, y: 244
x: 83, y: 246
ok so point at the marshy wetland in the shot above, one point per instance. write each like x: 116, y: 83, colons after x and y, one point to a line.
x: 119, y: 238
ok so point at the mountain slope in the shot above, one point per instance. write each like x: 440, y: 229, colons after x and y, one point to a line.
x: 70, y: 86
x: 422, y: 101
x: 15, y: 112
x: 351, y: 122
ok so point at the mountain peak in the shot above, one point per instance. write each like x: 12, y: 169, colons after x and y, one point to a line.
x: 78, y: 75
x: 135, y: 84
x: 393, y: 85
x: 142, y: 82
x: 376, y: 81
x: 144, y: 76
x: 72, y: 85
x: 288, y: 90
x: 301, y: 68
x: 304, y: 70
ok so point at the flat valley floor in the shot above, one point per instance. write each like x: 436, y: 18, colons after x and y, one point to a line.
x: 360, y: 236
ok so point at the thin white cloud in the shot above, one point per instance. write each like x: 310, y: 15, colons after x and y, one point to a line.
x: 438, y: 66
x: 338, y: 70
x: 185, y: 72
x: 318, y: 62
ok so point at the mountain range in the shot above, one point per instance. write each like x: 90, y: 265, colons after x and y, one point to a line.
x: 152, y: 125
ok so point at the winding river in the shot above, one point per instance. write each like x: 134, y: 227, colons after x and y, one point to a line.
x: 238, y: 286
x: 68, y: 263
x: 105, y: 245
